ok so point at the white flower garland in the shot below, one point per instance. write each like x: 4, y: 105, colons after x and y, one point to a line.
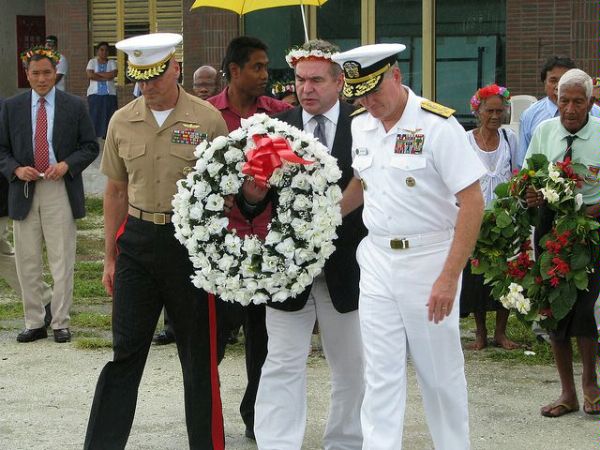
x: 301, y: 231
x: 296, y: 54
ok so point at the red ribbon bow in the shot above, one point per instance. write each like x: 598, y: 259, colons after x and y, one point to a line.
x: 267, y: 156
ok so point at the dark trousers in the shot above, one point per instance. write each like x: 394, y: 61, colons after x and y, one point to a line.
x: 255, y: 338
x: 153, y: 270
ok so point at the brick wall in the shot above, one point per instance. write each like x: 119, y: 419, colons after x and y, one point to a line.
x: 537, y: 29
x: 68, y: 20
x: 207, y: 31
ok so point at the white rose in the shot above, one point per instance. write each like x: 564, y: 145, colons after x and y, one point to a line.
x: 230, y: 184
x: 523, y: 305
x: 334, y: 194
x: 250, y: 285
x: 332, y: 172
x: 247, y: 270
x: 213, y: 168
x: 273, y: 237
x: 318, y: 182
x: 201, y: 233
x: 217, y: 225
x: 238, y: 134
x: 314, y: 269
x: 281, y: 295
x: 233, y: 244
x: 183, y: 195
x: 200, y: 165
x: 259, y: 298
x: 215, y: 202
x: 200, y: 149
x: 200, y: 261
x: 252, y: 245
x: 302, y: 255
x: 201, y: 190
x: 196, y: 211
x: 185, y: 230
x: 269, y: 264
x: 285, y: 216
x: 327, y: 248
x: 296, y: 289
x: 286, y: 196
x: 226, y: 262
x: 233, y: 155
x: 304, y: 279
x: 276, y: 177
x: 218, y: 143
x: 578, y: 201
x: 286, y: 247
x: 301, y: 181
x: 301, y: 203
x: 300, y: 226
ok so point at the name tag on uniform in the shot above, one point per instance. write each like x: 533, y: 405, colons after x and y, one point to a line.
x: 362, y: 151
x: 188, y: 136
x: 410, y: 143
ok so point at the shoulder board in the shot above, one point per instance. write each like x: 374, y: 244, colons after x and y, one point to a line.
x: 358, y: 112
x: 437, y: 109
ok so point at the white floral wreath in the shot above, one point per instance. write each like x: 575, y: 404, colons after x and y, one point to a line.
x: 301, y: 231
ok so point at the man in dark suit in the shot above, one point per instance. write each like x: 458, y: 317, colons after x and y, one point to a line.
x: 46, y: 140
x: 332, y: 299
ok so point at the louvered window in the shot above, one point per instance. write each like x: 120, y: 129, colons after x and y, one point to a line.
x: 113, y: 20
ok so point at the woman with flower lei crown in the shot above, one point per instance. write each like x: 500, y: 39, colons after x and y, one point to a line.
x: 497, y: 149
x: 566, y: 270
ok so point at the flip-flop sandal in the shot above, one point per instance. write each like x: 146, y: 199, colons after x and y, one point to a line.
x: 565, y: 408
x: 588, y: 403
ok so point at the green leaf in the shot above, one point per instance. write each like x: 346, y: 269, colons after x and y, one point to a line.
x: 503, y: 220
x: 581, y: 280
x: 564, y: 300
x: 508, y: 232
x: 501, y: 190
x: 580, y: 257
x: 537, y: 161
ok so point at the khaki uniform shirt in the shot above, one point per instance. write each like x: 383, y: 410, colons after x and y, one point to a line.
x: 151, y: 158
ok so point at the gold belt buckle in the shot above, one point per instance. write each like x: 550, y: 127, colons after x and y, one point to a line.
x: 159, y: 218
x: 399, y: 244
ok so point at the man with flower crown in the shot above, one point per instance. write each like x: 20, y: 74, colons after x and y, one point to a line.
x: 46, y: 141
x: 574, y: 135
x: 332, y: 299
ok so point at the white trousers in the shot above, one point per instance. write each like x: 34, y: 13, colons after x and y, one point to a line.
x: 394, y: 290
x: 280, y: 417
x: 50, y: 220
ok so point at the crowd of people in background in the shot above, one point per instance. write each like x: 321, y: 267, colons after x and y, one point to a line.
x: 42, y: 191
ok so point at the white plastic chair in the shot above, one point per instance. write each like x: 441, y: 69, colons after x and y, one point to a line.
x: 518, y: 104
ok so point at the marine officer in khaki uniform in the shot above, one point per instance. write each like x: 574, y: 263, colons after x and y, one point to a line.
x: 150, y: 145
x: 416, y: 166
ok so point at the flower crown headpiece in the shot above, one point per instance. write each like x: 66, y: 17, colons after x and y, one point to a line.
x: 283, y: 87
x: 295, y: 54
x: 53, y: 55
x: 488, y: 91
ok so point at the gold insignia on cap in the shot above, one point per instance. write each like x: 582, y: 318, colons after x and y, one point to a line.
x: 352, y: 69
x: 358, y: 112
x: 410, y: 181
x: 146, y: 72
x: 437, y: 109
x: 137, y: 53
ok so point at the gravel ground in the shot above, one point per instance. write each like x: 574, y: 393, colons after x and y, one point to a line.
x: 46, y: 391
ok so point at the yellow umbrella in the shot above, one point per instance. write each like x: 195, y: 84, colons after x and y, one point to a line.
x: 246, y: 6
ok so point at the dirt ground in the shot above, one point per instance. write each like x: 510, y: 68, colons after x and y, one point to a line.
x: 46, y: 391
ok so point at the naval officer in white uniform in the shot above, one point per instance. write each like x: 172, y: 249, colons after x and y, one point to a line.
x: 422, y: 208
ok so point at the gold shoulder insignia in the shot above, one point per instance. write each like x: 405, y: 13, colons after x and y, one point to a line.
x: 437, y: 109
x: 358, y: 112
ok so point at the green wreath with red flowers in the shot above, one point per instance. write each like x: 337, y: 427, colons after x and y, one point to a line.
x: 542, y: 289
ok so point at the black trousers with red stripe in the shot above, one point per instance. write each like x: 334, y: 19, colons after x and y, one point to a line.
x: 153, y: 270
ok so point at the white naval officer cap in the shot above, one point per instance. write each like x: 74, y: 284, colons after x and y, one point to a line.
x: 364, y: 67
x: 149, y: 54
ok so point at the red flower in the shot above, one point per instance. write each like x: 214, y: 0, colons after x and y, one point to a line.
x: 546, y: 312
x: 539, y: 280
x: 554, y: 281
x: 561, y: 266
x: 475, y: 262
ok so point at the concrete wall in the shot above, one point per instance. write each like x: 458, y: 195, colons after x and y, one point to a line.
x: 8, y: 36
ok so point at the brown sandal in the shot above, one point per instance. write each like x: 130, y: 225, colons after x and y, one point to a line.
x: 563, y: 408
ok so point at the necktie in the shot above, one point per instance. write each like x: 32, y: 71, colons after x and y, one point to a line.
x: 569, y: 150
x: 319, y: 132
x: 40, y: 152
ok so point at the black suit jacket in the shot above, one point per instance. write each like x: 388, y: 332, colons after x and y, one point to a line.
x: 73, y: 141
x: 341, y: 269
x: 3, y: 186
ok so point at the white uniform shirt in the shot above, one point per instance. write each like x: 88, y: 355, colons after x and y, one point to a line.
x: 408, y: 194
x: 62, y: 67
x: 94, y: 65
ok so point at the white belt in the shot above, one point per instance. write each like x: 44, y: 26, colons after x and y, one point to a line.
x: 413, y: 240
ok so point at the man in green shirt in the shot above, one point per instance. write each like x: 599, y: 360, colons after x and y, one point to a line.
x: 574, y: 134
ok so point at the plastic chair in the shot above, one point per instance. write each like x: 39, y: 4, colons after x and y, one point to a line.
x: 518, y: 104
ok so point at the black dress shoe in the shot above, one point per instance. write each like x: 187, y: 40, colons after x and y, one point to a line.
x: 249, y: 433
x: 61, y: 336
x: 164, y: 337
x: 33, y: 334
x: 47, y: 316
